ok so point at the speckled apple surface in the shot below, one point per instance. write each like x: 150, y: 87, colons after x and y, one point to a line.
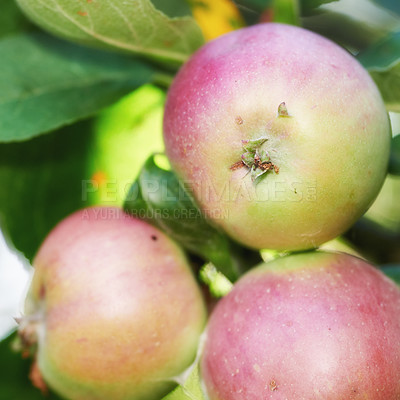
x: 120, y: 311
x: 332, y: 151
x: 312, y: 326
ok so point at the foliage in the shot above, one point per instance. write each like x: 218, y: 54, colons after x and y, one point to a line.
x: 392, y: 5
x: 134, y: 25
x: 159, y: 197
x: 41, y: 183
x: 394, y: 162
x: 286, y: 11
x: 383, y: 62
x: 307, y: 6
x: 14, y: 381
x: 47, y: 83
x: 393, y: 272
x: 81, y: 116
x: 11, y: 19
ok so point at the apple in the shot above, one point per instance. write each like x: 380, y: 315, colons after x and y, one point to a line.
x: 308, y: 326
x: 113, y: 308
x: 281, y: 136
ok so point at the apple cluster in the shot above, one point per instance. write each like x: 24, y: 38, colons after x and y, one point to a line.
x: 284, y: 135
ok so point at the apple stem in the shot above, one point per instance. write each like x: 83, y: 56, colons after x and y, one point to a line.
x: 282, y: 110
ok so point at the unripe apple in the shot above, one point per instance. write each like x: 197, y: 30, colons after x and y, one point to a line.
x: 114, y: 308
x: 280, y: 134
x: 310, y: 326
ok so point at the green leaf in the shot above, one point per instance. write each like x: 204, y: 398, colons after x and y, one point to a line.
x: 131, y: 25
x: 308, y: 6
x: 393, y: 272
x: 173, y: 8
x: 11, y: 18
x: 394, y: 162
x: 159, y: 197
x: 392, y: 5
x: 286, y: 11
x: 380, y: 226
x: 253, y: 5
x: 190, y: 390
x: 46, y: 83
x: 382, y: 60
x: 14, y: 372
x: 383, y: 55
x: 41, y: 183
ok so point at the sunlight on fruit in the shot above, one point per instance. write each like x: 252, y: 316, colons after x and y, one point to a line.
x: 126, y: 134
x: 268, y: 255
x: 340, y: 245
x: 162, y: 162
x: 216, y: 17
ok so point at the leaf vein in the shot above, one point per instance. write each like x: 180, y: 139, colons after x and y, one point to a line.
x: 67, y: 85
x: 140, y: 49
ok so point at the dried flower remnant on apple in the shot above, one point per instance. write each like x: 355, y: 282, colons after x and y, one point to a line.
x: 256, y: 159
x: 282, y: 110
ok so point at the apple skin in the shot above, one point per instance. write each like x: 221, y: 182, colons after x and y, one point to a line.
x: 306, y: 327
x: 121, y: 313
x: 332, y: 151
